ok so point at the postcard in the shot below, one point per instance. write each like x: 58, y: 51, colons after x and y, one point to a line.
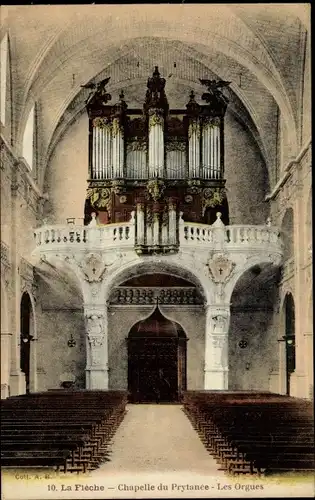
x: 156, y: 251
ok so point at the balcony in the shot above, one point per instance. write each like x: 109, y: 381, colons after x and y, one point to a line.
x: 78, y: 238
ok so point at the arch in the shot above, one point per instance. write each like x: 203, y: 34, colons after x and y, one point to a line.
x: 156, y: 359
x: 240, y: 48
x: 153, y: 264
x: 287, y: 230
x: 287, y: 324
x: 270, y: 266
x: 27, y: 334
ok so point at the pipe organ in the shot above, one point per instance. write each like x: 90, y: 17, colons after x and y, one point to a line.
x: 157, y: 162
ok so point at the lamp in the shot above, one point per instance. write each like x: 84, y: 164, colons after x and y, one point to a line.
x: 26, y: 338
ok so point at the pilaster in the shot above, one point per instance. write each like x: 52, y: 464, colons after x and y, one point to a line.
x: 216, y: 350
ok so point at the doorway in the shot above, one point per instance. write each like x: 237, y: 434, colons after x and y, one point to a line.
x: 290, y: 339
x: 26, y: 337
x: 156, y: 360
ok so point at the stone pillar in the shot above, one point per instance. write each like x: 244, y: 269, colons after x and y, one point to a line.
x: 194, y: 148
x: 96, y: 348
x: 308, y: 349
x: 156, y: 143
x: 211, y: 148
x: 17, y: 377
x: 216, y: 350
x: 282, y: 389
x: 5, y: 363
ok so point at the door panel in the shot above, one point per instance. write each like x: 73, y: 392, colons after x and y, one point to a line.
x: 153, y: 370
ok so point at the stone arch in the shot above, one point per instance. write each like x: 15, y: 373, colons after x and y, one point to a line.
x: 287, y: 326
x: 27, y: 336
x: 150, y: 265
x: 62, y: 325
x: 221, y: 40
x: 287, y: 231
x: 251, y: 330
x: 271, y: 262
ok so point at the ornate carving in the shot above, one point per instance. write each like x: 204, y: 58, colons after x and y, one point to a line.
x: 116, y: 128
x: 102, y: 123
x: 100, y: 198
x: 212, y: 197
x: 118, y: 186
x: 93, y: 267
x: 194, y: 128
x: 220, y: 268
x: 155, y: 188
x: 155, y: 95
x: 192, y: 106
x: 94, y: 325
x: 5, y: 263
x: 219, y: 324
x: 175, y: 145
x: 211, y: 121
x: 194, y: 186
x: 214, y: 97
x: 155, y: 119
x: 138, y: 144
x: 99, y: 96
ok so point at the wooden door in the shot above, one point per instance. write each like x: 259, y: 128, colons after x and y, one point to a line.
x: 153, y: 369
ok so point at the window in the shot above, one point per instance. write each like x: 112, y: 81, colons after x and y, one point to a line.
x: 28, y: 138
x: 4, y: 73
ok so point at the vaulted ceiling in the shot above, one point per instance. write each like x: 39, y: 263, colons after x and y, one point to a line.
x: 259, y: 48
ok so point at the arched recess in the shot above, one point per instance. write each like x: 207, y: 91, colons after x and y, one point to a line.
x: 152, y: 265
x: 252, y: 339
x: 27, y: 335
x: 287, y: 232
x: 156, y: 360
x: 61, y: 325
x: 288, y: 331
x: 133, y: 295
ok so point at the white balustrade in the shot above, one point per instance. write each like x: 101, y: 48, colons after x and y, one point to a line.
x: 74, y: 236
x: 110, y: 235
x: 192, y: 234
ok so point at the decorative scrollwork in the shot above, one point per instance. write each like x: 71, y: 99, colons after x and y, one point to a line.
x: 212, y: 197
x: 155, y: 188
x: 194, y: 128
x: 101, y: 123
x: 99, y: 198
x: 155, y: 119
x: 118, y: 186
x: 194, y: 187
